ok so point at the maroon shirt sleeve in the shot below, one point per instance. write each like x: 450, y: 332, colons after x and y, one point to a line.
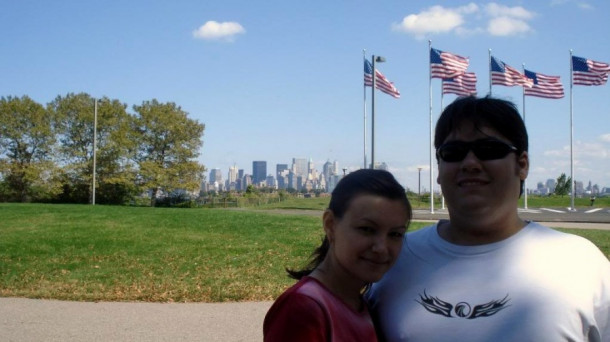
x: 296, y: 317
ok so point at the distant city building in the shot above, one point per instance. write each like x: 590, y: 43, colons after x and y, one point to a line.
x: 292, y: 180
x: 259, y: 172
x: 328, y: 171
x: 300, y: 167
x: 381, y: 166
x: 231, y: 183
x: 270, y: 181
x: 215, y: 176
x: 232, y: 174
x: 332, y: 182
x: 595, y: 189
x: 247, y: 180
x: 281, y: 174
x: 240, y: 180
x: 579, y: 189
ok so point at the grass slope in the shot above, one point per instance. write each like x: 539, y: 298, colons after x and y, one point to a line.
x: 104, y: 253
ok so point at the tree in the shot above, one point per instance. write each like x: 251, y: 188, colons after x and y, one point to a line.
x: 27, y: 138
x: 115, y: 147
x: 168, y: 145
x: 564, y: 185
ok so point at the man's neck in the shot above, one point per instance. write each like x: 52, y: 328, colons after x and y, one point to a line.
x: 480, y: 229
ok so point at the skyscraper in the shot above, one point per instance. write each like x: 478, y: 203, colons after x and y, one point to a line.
x: 259, y: 171
x: 327, y: 172
x: 299, y: 167
x: 215, y: 176
x: 281, y: 174
x: 232, y: 174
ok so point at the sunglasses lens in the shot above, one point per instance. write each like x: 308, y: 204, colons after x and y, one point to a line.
x: 453, y: 151
x: 490, y: 149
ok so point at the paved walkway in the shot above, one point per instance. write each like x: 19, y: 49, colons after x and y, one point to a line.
x: 32, y: 320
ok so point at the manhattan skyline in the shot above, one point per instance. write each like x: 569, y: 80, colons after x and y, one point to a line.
x: 532, y: 184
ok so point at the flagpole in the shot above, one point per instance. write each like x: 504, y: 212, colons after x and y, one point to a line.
x: 489, y: 64
x: 431, y: 143
x: 525, y: 180
x: 373, y: 113
x: 442, y: 109
x: 94, y: 151
x: 364, y: 144
x: 572, y: 190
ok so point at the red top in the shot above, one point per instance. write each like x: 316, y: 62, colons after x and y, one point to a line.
x: 308, y: 311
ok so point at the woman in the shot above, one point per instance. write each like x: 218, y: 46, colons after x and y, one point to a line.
x: 364, y: 226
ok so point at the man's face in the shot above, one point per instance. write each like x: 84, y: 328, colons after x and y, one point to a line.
x: 474, y: 185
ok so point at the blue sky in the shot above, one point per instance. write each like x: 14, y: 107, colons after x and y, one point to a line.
x: 273, y: 80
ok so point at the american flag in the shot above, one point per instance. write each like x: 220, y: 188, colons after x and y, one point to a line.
x: 381, y: 82
x: 446, y: 65
x: 546, y: 86
x: 462, y: 85
x: 588, y: 72
x: 503, y: 74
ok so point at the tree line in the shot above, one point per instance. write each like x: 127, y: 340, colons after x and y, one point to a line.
x: 46, y: 152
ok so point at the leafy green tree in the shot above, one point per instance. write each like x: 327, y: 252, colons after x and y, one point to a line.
x: 115, y: 173
x: 168, y: 146
x: 564, y: 185
x: 27, y: 138
x: 251, y: 191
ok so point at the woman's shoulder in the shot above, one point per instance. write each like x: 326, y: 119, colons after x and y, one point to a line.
x: 300, y: 296
x: 295, y: 313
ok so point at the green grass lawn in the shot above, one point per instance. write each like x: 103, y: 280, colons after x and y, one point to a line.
x: 424, y: 202
x: 107, y: 253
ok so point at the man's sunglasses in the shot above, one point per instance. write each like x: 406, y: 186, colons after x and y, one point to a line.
x: 483, y: 149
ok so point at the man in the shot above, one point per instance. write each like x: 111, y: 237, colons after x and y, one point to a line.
x: 485, y: 274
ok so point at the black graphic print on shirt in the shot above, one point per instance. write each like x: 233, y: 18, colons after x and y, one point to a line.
x: 462, y: 309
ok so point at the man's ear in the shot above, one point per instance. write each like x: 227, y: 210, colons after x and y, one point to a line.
x: 523, y: 163
x: 328, y: 221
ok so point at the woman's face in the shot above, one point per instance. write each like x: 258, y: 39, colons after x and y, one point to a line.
x: 366, y: 241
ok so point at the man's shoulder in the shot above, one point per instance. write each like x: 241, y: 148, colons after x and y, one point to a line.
x: 421, y: 234
x: 566, y: 243
x: 422, y: 231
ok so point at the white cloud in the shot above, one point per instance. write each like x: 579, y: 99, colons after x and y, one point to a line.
x: 605, y: 137
x: 495, y: 10
x: 213, y: 30
x: 436, y: 19
x: 580, y: 4
x: 499, y: 20
x: 507, y: 21
x: 584, y: 150
x: 585, y: 6
x: 507, y: 26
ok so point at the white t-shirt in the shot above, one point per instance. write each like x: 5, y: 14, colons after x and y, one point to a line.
x: 537, y: 285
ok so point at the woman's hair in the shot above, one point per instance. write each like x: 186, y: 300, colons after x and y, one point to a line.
x: 362, y: 182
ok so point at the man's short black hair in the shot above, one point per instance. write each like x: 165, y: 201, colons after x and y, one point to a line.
x: 501, y: 115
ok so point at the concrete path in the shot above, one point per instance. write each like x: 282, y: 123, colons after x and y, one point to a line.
x: 33, y: 320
